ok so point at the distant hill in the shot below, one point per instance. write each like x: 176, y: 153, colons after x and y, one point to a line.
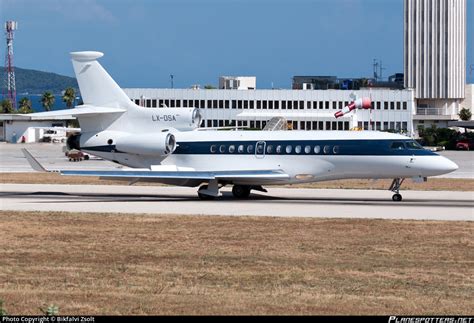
x: 38, y: 82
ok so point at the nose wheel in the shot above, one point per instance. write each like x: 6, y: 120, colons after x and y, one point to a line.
x: 395, y: 187
x: 397, y: 197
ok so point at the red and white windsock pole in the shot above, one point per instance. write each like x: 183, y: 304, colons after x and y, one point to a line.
x: 363, y: 103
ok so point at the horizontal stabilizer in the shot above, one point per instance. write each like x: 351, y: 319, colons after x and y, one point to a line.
x: 80, y: 110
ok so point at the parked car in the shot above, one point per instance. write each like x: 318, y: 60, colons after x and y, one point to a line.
x: 465, y: 144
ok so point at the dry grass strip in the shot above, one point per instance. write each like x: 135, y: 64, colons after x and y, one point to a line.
x: 124, y: 264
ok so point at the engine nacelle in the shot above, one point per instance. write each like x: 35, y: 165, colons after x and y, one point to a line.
x: 181, y: 119
x: 158, y: 144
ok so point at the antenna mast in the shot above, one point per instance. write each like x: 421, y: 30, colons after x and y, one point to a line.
x: 10, y: 87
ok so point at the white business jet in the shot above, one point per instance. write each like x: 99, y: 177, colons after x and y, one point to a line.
x: 161, y: 145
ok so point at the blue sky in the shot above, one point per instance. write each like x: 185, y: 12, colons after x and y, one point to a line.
x: 145, y: 41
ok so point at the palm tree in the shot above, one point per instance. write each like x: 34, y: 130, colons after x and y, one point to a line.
x: 47, y: 100
x: 25, y: 106
x: 6, y: 106
x: 69, y: 96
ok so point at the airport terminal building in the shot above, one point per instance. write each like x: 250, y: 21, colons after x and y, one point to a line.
x: 393, y: 109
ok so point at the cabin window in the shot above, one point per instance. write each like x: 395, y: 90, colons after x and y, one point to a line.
x: 213, y: 148
x: 222, y: 149
x: 298, y: 149
x: 289, y: 148
x: 278, y: 149
x: 231, y: 149
x: 269, y: 149
x: 413, y: 145
x: 250, y: 149
x: 327, y: 149
x: 307, y: 149
x: 240, y: 149
x: 335, y: 150
x: 317, y: 149
x: 397, y: 145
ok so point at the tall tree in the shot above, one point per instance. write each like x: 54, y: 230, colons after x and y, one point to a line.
x: 69, y: 96
x: 47, y: 100
x: 6, y: 106
x: 24, y: 106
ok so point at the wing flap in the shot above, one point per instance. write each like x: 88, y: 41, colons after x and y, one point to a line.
x: 198, y: 175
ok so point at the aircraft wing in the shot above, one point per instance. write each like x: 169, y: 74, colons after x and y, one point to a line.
x: 137, y: 174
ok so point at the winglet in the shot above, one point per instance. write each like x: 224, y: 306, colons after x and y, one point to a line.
x: 33, y: 162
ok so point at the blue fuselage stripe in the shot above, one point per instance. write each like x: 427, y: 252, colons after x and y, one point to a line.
x: 282, y: 147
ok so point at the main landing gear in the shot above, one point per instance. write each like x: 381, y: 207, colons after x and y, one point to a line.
x: 211, y: 191
x: 395, y: 187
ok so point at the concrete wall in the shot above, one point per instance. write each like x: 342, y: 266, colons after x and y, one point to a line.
x: 14, y: 130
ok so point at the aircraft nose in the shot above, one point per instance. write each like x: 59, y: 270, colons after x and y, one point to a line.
x: 445, y: 165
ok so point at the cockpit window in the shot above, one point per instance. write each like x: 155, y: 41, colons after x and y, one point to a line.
x: 412, y: 144
x: 397, y: 145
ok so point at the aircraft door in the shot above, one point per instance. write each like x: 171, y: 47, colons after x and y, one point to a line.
x: 260, y: 149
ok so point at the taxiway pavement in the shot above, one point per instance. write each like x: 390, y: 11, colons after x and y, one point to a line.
x: 288, y: 202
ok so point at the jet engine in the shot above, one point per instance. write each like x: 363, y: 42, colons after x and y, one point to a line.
x: 158, y: 144
x: 363, y: 103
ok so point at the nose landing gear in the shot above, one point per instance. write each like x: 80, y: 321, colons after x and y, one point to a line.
x: 395, y: 187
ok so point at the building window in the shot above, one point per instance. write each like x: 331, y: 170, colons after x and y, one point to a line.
x: 385, y: 125
x: 309, y: 104
x: 404, y: 105
x: 270, y: 105
x: 148, y: 103
x: 385, y: 105
x: 251, y: 104
x: 379, y: 105
x: 302, y: 125
x: 392, y: 105
x: 290, y: 105
x: 404, y: 125
x: 327, y: 105
x: 295, y: 125
x: 340, y: 105
x: 301, y: 105
x: 239, y: 104
x: 234, y: 104
x: 283, y: 105
x: 202, y: 104
x: 264, y: 105
x: 366, y: 125
x: 377, y: 125
x: 221, y: 123
x: 277, y: 104
x: 227, y: 104
x: 259, y: 104
x: 328, y: 125
x: 246, y: 104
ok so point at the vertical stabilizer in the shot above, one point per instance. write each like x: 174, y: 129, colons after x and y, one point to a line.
x: 96, y: 86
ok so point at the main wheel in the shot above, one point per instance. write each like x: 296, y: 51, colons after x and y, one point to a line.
x: 397, y: 197
x: 204, y: 197
x: 241, y: 191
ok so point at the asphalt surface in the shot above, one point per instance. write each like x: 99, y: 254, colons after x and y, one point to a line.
x: 277, y: 202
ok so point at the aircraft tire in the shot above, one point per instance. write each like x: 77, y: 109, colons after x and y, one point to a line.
x: 241, y: 191
x: 397, y: 197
